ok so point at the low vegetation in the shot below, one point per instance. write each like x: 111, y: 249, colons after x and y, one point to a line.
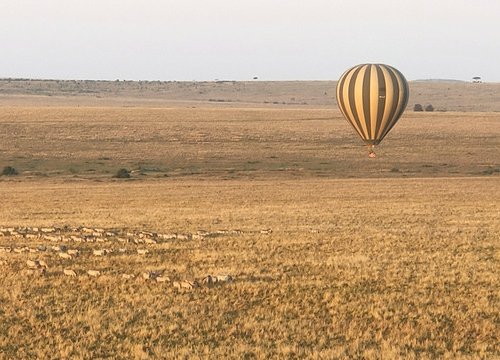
x: 9, y: 171
x: 122, y: 174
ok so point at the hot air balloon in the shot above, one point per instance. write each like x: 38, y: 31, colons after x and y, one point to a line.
x: 372, y: 97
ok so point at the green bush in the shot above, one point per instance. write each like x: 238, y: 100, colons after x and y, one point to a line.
x: 9, y: 171
x: 122, y: 174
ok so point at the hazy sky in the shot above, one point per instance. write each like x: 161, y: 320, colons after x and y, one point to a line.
x: 239, y: 39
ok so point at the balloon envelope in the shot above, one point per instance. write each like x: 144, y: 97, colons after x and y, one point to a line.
x: 372, y: 97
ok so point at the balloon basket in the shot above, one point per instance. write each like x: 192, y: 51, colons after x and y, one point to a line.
x: 371, y: 152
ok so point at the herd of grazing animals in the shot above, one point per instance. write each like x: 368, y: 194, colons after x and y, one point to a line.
x: 61, y: 237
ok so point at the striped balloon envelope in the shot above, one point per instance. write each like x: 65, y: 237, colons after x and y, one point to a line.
x: 372, y: 97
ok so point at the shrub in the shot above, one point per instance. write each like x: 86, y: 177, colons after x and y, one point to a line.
x: 122, y: 174
x: 418, y: 107
x: 9, y: 170
x: 429, y: 108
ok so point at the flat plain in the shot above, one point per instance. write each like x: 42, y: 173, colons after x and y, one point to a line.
x: 314, y: 250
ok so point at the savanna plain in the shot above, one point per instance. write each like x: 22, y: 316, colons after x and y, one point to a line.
x: 253, y: 224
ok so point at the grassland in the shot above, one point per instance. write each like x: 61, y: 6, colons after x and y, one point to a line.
x: 353, y: 268
x: 333, y: 255
x: 93, y: 142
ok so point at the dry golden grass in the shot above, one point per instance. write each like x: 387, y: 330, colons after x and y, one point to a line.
x: 353, y: 268
x: 396, y: 257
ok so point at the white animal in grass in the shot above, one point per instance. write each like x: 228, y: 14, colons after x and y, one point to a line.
x: 211, y: 280
x: 69, y: 272
x: 73, y: 252
x: 224, y: 278
x: 66, y: 256
x: 32, y: 264
x: 58, y: 248
x: 150, y: 275
x: 93, y: 273
x: 185, y: 284
x: 37, y: 264
x: 101, y: 252
x: 162, y: 278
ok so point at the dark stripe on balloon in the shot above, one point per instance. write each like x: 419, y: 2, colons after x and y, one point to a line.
x: 402, y: 104
x: 352, y: 100
x: 381, y: 98
x: 395, y: 101
x: 340, y: 89
x: 366, y: 101
x: 341, y: 102
x: 406, y: 93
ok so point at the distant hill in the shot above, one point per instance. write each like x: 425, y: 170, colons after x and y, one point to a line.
x: 443, y: 94
x: 441, y: 80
